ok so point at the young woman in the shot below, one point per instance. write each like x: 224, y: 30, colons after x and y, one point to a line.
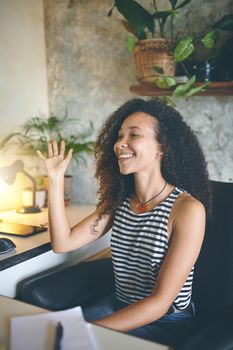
x: 154, y: 194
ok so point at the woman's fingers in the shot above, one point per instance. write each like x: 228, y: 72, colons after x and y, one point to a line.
x: 62, y: 148
x: 40, y: 155
x: 55, y: 148
x: 68, y: 158
x: 50, y: 150
x: 56, y: 161
x: 69, y: 155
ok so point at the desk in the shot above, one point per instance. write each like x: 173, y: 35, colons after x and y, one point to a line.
x: 106, y: 339
x: 33, y: 254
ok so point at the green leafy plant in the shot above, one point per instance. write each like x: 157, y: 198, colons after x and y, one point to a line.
x: 36, y: 132
x: 189, y: 45
x: 185, y: 49
x: 179, y: 90
x: 156, y: 24
x: 141, y: 23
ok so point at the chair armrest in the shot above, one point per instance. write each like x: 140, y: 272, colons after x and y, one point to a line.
x: 80, y: 284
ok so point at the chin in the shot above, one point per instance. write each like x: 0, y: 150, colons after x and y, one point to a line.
x: 125, y: 171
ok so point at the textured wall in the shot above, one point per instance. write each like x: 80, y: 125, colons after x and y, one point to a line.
x: 90, y: 70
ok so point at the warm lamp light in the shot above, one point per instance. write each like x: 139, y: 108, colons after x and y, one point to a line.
x: 8, y: 174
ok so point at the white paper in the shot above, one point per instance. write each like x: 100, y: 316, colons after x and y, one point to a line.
x: 37, y: 332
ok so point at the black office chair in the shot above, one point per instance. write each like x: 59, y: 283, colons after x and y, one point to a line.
x: 87, y: 282
x: 213, y: 281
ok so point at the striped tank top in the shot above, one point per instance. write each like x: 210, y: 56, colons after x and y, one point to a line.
x: 139, y: 245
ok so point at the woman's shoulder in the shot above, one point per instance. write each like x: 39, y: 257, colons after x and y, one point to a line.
x: 187, y: 205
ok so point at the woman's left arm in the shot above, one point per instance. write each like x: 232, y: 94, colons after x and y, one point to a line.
x: 185, y: 244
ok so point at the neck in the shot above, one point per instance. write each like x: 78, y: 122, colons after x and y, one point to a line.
x: 147, y: 186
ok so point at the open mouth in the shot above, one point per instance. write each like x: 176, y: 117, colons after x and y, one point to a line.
x: 125, y: 156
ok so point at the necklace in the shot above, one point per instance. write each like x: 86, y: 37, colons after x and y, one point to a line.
x: 143, y: 207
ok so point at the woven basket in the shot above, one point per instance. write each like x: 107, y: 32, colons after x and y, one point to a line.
x: 150, y: 53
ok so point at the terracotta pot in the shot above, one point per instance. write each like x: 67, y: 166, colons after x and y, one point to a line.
x: 149, y: 53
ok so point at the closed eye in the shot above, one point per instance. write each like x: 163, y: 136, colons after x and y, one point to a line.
x: 133, y: 134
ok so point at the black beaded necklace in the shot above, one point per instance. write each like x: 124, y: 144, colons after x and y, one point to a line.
x: 143, y: 207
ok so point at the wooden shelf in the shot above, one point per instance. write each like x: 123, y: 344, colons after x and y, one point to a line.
x: 214, y: 89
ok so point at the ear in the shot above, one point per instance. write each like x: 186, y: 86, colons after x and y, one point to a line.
x: 160, y: 152
x: 159, y: 155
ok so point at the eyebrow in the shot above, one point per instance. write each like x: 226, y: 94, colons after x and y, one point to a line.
x: 132, y: 127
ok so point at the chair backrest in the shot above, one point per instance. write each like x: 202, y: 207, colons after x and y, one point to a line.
x: 213, y: 279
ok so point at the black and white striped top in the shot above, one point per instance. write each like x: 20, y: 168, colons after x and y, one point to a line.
x: 139, y: 244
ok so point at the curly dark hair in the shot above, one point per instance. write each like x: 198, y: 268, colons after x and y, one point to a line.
x: 182, y: 165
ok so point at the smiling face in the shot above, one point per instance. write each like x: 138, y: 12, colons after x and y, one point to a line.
x: 137, y: 149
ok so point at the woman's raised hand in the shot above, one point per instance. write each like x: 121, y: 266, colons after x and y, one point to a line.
x: 56, y: 164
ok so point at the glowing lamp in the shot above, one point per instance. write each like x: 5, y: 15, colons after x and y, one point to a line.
x: 8, y: 174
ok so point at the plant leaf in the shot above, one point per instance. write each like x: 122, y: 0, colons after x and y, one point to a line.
x: 164, y: 82
x: 131, y: 41
x: 162, y: 14
x: 182, y: 89
x: 184, y: 49
x: 183, y: 4
x: 173, y: 3
x: 36, y: 132
x: 5, y: 141
x: 137, y: 17
x: 128, y: 28
x: 209, y: 40
x: 176, y: 14
x: 158, y: 69
x: 196, y: 89
x: 225, y: 23
x: 187, y: 89
x: 168, y: 100
x: 110, y: 11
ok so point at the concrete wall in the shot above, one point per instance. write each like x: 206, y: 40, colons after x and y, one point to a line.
x: 23, y: 75
x: 90, y: 71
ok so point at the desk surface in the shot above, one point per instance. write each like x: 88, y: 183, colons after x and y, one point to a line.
x: 106, y: 339
x: 33, y: 254
x: 29, y: 247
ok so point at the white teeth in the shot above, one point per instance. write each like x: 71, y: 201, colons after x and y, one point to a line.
x: 125, y: 156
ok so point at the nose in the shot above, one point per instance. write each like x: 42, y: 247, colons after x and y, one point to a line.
x: 120, y: 144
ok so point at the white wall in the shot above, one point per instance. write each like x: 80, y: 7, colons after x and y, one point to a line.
x: 23, y: 76
x: 23, y: 81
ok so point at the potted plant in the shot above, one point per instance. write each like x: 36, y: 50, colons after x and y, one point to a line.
x: 200, y: 59
x: 37, y: 131
x: 151, y: 45
x: 208, y: 56
x: 153, y: 61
